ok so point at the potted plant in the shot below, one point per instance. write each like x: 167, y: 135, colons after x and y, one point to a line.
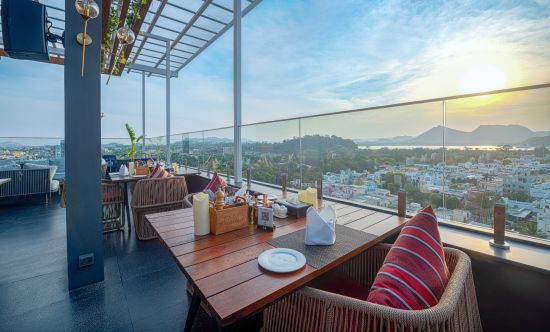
x: 132, y: 153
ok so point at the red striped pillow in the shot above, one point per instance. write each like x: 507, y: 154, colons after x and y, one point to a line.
x: 215, y: 183
x: 414, y: 273
x: 159, y: 172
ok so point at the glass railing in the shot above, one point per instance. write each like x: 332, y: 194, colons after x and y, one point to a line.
x: 461, y: 155
x: 15, y: 152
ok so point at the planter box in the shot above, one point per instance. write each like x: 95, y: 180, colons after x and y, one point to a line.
x: 229, y: 219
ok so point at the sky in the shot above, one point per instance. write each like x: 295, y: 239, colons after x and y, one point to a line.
x: 313, y: 57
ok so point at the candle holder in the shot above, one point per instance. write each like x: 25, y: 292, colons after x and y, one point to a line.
x: 88, y: 9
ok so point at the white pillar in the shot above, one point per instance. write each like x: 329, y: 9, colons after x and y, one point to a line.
x: 168, y: 74
x: 237, y: 157
x: 143, y: 110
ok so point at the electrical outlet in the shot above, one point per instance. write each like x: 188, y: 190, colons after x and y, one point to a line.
x: 85, y: 260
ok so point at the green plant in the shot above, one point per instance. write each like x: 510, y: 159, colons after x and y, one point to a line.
x: 133, y: 140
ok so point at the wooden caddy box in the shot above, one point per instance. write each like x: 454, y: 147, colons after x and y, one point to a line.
x: 231, y: 218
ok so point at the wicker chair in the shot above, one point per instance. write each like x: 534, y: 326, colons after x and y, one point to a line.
x: 156, y: 195
x: 112, y: 202
x: 310, y: 309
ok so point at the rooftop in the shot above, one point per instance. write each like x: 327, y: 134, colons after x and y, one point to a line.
x: 459, y: 123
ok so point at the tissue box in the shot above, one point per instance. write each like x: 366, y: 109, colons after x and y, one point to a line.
x: 294, y: 210
x: 231, y: 218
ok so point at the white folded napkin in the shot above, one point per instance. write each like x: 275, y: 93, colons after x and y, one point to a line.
x: 320, y: 226
x: 241, y: 192
x: 123, y: 171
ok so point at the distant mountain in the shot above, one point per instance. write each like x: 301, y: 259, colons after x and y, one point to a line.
x: 482, y: 135
x: 538, y: 141
x: 10, y: 145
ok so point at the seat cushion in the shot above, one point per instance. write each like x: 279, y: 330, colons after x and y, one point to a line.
x: 159, y: 172
x: 414, y: 273
x: 215, y: 183
x: 54, y: 186
x: 342, y: 285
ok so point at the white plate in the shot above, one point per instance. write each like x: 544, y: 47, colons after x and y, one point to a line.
x: 281, y: 260
x: 280, y: 216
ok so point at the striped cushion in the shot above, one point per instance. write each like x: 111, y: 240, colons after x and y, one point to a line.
x: 414, y: 273
x: 215, y: 183
x: 159, y: 172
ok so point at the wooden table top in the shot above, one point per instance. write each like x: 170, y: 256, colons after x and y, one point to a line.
x: 223, y: 268
x: 4, y: 181
x: 115, y: 177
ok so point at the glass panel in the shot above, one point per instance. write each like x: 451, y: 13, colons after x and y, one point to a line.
x: 194, y: 157
x: 179, y: 147
x: 497, y: 152
x: 368, y: 156
x: 118, y: 147
x: 271, y: 149
x: 218, y: 150
x: 155, y: 148
x: 17, y: 151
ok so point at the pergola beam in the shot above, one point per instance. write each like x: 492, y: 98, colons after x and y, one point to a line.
x: 192, y: 21
x: 149, y: 69
x: 150, y: 28
x: 222, y: 31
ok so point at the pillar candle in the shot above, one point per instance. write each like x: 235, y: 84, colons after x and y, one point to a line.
x: 201, y: 216
x: 308, y: 196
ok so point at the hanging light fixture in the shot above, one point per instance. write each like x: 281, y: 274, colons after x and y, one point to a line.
x: 126, y: 37
x: 88, y: 9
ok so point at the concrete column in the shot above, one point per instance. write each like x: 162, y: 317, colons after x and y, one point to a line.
x: 83, y: 151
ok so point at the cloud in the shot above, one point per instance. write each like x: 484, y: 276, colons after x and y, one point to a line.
x: 309, y: 57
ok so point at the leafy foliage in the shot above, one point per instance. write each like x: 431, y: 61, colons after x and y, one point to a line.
x: 133, y: 140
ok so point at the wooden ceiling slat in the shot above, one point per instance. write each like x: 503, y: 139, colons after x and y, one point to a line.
x: 122, y: 20
x: 136, y: 28
x: 105, y: 14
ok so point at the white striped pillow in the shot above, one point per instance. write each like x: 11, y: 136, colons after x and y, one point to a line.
x: 159, y: 172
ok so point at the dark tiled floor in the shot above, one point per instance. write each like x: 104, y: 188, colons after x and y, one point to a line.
x: 143, y: 289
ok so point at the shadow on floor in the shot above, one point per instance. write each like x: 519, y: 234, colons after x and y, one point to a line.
x: 143, y: 288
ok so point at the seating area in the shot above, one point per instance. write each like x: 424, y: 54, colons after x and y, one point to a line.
x: 384, y: 170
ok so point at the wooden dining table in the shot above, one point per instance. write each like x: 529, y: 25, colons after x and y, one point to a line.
x: 223, y: 271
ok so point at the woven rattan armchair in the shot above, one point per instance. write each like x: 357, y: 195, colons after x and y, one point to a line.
x: 310, y: 309
x: 112, y: 203
x: 156, y: 195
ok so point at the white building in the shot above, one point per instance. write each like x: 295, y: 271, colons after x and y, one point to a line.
x: 541, y: 191
x: 543, y: 217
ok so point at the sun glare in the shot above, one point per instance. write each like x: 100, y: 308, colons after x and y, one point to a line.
x: 483, y: 78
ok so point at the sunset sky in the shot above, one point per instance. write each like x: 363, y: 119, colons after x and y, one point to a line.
x: 310, y: 57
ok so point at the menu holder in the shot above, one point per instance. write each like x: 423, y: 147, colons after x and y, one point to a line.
x: 230, y: 218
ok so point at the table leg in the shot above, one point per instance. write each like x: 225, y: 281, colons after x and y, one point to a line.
x: 195, y: 304
x: 127, y: 205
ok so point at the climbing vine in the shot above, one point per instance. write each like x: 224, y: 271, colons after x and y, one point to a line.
x: 132, y: 16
